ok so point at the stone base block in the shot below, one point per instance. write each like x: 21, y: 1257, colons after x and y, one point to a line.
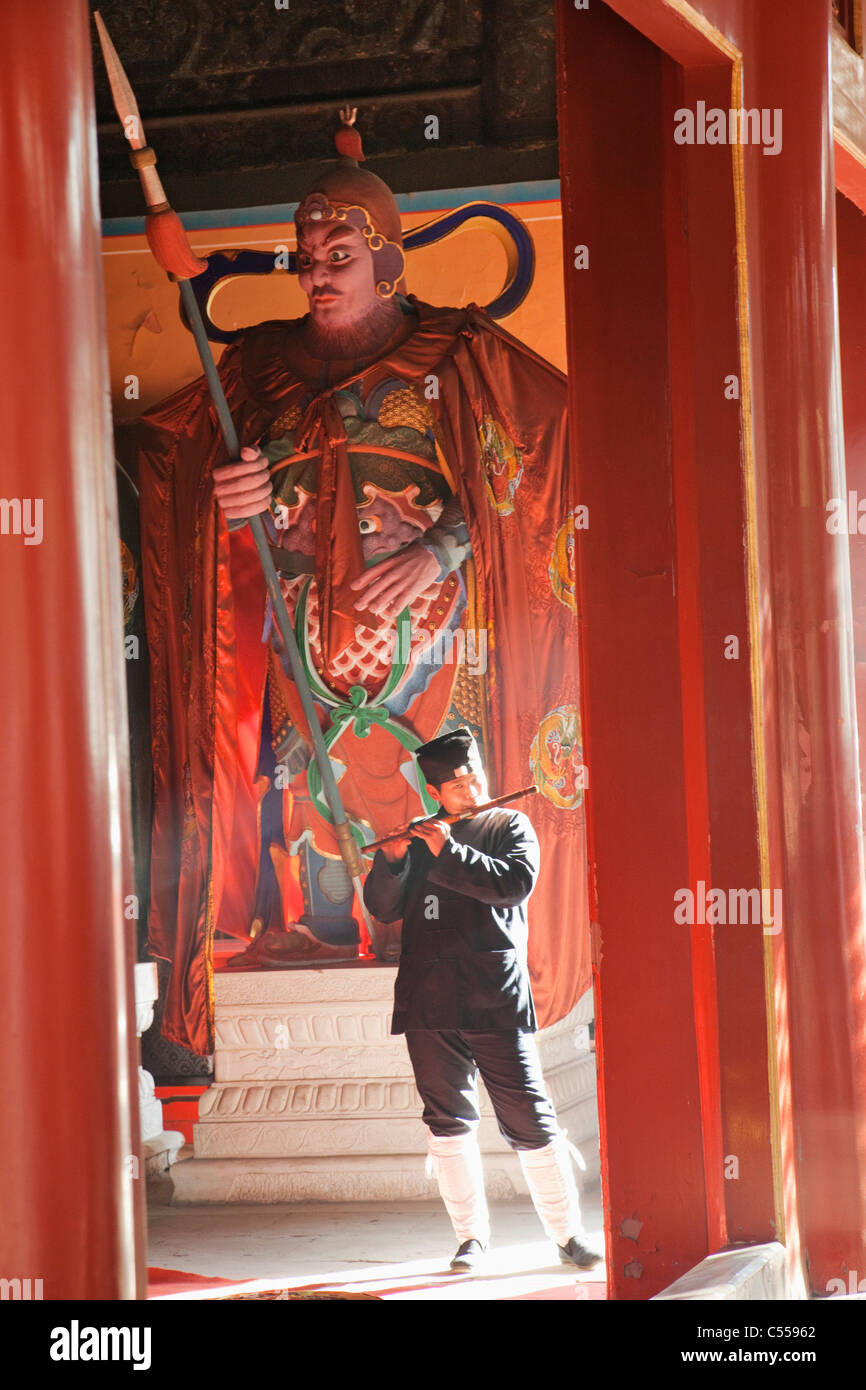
x: 747, y: 1273
x: 315, y: 1100
x: 367, y: 1178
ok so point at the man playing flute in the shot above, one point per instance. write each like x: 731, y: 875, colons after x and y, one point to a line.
x: 463, y: 999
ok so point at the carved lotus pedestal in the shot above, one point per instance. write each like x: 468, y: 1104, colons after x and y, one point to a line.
x: 314, y: 1100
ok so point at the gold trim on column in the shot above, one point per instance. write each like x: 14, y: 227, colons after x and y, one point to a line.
x: 755, y: 646
x: 697, y: 21
x: 693, y: 18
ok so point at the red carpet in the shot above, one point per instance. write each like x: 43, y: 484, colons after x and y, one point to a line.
x: 543, y: 1285
x: 177, y: 1283
x: 162, y: 1282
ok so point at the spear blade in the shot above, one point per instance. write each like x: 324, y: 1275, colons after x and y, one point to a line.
x: 122, y: 94
x: 163, y: 228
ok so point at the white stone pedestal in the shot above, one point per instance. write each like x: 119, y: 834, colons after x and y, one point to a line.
x: 314, y: 1100
x: 160, y: 1147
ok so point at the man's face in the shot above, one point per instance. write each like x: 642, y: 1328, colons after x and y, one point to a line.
x: 335, y: 271
x: 464, y: 793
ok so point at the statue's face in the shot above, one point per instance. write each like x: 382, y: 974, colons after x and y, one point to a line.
x: 335, y: 271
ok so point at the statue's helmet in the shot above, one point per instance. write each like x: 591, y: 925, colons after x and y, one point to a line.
x: 362, y: 200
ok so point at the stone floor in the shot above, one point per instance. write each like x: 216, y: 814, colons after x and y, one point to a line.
x: 399, y: 1252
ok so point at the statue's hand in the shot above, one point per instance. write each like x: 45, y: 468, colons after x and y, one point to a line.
x: 388, y: 587
x: 243, y: 489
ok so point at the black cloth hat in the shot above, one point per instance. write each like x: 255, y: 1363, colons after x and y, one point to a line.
x: 449, y: 756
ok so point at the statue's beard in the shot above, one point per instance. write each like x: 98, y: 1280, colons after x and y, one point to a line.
x: 363, y: 337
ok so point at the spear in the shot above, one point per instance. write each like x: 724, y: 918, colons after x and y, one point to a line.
x: 168, y: 242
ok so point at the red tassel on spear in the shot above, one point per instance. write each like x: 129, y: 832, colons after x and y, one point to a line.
x: 165, y: 232
x: 167, y: 239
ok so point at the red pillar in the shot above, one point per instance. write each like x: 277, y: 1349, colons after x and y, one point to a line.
x: 805, y: 602
x: 646, y: 328
x: 72, y: 1200
x: 641, y: 746
x: 851, y: 257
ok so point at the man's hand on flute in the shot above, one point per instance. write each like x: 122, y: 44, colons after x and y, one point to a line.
x: 434, y: 833
x: 395, y: 850
x: 243, y: 488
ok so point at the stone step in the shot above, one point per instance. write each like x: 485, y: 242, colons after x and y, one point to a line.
x: 360, y: 1178
x: 369, y: 1129
x: 314, y: 1099
x: 346, y: 1097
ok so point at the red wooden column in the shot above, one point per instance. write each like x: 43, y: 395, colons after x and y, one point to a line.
x: 72, y: 1200
x: 637, y: 741
x: 851, y: 257
x: 805, y: 603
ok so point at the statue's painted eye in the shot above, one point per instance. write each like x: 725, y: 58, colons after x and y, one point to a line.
x: 368, y: 524
x: 339, y: 256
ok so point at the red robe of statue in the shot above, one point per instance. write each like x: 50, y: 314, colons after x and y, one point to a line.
x: 500, y: 425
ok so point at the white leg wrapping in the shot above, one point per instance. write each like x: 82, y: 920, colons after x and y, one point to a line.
x: 550, y: 1179
x: 456, y: 1160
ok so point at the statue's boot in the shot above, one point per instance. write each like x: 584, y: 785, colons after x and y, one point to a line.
x: 300, y: 942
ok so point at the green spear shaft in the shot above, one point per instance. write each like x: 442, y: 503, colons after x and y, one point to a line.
x: 168, y: 242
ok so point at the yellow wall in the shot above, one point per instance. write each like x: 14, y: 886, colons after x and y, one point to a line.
x: 147, y: 339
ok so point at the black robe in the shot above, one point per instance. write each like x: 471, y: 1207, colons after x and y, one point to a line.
x: 463, y: 959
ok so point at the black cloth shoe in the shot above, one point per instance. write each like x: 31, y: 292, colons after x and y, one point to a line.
x: 470, y: 1255
x: 573, y: 1253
